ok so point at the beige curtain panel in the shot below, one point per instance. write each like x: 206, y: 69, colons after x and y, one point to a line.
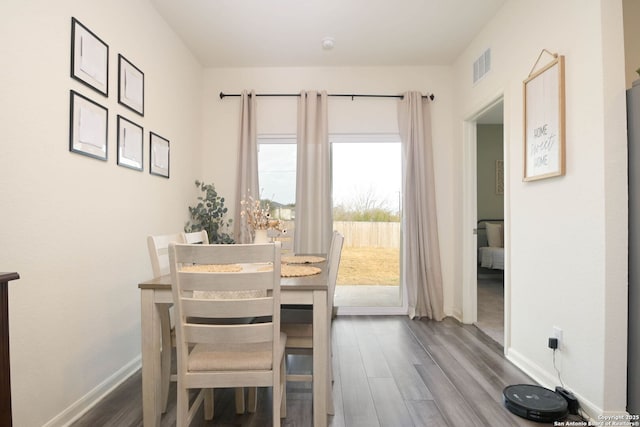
x: 420, y: 247
x: 314, y: 219
x: 247, y: 170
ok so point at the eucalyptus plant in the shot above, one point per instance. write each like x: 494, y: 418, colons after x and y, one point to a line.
x: 210, y: 215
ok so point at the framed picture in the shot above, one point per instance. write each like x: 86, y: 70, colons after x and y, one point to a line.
x: 89, y: 58
x: 158, y: 155
x: 87, y: 127
x: 130, y: 86
x: 544, y: 122
x: 130, y: 137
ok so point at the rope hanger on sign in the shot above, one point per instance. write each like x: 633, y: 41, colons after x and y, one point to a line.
x: 555, y: 56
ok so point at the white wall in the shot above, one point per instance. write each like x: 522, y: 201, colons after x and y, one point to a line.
x: 490, y: 146
x: 278, y: 116
x: 74, y: 227
x: 566, y: 237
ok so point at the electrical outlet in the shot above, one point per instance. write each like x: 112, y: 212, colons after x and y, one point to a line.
x: 556, y: 332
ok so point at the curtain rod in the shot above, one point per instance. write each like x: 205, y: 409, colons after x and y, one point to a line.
x: 345, y: 95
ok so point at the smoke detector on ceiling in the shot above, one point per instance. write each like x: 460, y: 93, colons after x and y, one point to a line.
x: 328, y: 43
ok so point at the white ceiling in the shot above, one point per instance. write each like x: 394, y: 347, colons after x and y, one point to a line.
x: 288, y: 33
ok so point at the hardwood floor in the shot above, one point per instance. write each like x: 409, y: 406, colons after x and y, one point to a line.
x: 491, y: 306
x: 388, y: 371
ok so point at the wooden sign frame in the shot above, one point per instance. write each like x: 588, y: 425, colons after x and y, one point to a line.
x: 544, y: 122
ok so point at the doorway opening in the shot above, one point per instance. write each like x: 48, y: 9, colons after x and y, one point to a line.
x: 366, y: 187
x: 490, y: 222
x: 485, y: 267
x: 367, y: 211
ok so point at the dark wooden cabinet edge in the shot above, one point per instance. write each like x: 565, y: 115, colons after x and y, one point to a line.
x: 5, y: 367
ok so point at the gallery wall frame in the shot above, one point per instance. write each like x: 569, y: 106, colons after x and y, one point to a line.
x: 88, y: 127
x: 130, y: 85
x: 544, y: 121
x: 130, y: 142
x: 158, y: 155
x: 89, y: 58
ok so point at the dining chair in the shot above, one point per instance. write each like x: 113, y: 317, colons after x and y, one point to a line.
x: 297, y: 321
x: 285, y: 237
x: 219, y: 354
x: 159, y: 255
x: 159, y: 252
x: 201, y: 237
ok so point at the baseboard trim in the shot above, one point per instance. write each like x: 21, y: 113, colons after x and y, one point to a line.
x: 89, y: 400
x: 550, y: 381
x: 457, y: 314
x: 371, y: 311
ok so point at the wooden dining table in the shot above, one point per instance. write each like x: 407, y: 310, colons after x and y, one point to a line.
x: 309, y: 290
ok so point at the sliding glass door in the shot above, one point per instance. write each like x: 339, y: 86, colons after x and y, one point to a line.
x: 367, y: 210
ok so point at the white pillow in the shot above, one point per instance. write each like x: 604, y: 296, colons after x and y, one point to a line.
x: 494, y: 235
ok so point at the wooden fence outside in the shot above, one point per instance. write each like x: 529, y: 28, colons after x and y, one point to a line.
x: 369, y: 234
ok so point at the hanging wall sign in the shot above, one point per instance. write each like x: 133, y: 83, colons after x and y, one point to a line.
x: 544, y: 121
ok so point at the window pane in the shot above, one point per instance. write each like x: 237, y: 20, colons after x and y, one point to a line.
x: 367, y: 206
x: 373, y: 182
x: 277, y: 176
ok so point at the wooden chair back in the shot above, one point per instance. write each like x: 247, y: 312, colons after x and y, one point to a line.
x: 284, y: 237
x: 196, y: 237
x: 213, y: 353
x: 159, y: 252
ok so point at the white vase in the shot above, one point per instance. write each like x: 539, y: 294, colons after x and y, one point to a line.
x: 260, y: 236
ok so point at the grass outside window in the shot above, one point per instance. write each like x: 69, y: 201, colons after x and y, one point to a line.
x: 369, y: 266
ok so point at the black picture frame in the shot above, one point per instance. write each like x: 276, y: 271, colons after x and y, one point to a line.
x: 159, y: 158
x: 88, y: 127
x: 89, y: 58
x: 130, y: 85
x: 130, y: 143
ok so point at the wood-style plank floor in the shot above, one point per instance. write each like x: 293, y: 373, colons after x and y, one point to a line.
x: 388, y: 371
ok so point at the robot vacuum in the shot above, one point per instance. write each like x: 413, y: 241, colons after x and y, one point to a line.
x: 535, y: 403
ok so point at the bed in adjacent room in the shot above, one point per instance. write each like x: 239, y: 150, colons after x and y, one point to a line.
x: 491, y: 243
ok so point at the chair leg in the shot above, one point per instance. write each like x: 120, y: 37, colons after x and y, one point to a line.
x: 182, y: 407
x: 208, y: 404
x: 165, y: 361
x: 252, y: 404
x: 240, y: 400
x: 276, y: 398
x: 330, y: 408
x: 283, y: 388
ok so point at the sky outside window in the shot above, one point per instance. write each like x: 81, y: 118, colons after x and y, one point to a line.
x: 367, y: 169
x: 359, y: 168
x: 277, y: 172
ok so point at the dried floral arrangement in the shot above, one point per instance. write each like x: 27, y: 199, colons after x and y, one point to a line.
x: 257, y: 214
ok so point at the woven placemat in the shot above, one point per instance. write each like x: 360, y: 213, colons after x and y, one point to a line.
x: 301, y: 259
x: 298, y: 270
x: 213, y: 268
x: 294, y: 270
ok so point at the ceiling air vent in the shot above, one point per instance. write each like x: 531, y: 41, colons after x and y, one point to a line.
x: 481, y: 66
